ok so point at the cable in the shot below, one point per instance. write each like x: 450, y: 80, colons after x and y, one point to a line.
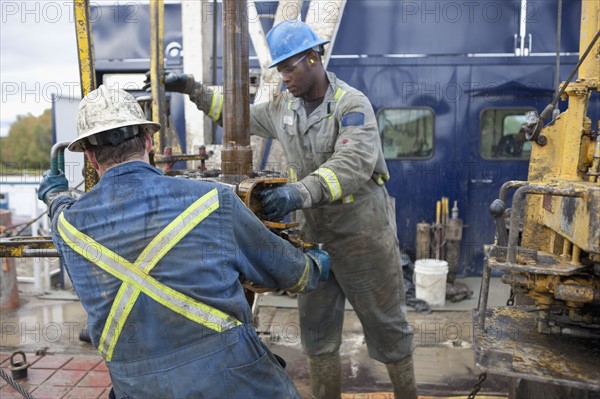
x: 551, y: 106
x: 558, y: 34
x: 19, y: 388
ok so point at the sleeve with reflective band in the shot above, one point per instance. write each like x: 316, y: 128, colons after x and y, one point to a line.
x: 332, y: 182
x: 353, y: 136
x: 208, y: 99
x: 301, y: 285
x: 216, y: 106
x: 135, y: 275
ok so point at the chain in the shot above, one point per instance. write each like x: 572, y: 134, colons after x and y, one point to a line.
x: 511, y: 298
x: 477, y: 385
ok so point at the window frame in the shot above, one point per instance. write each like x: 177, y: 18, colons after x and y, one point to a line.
x: 480, y: 128
x: 433, y: 135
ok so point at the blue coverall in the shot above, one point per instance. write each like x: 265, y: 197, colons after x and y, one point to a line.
x: 151, y: 350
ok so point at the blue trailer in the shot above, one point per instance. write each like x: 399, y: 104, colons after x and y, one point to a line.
x: 450, y: 83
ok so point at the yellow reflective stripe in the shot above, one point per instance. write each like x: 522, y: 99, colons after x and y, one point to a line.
x: 111, y: 314
x: 381, y: 179
x: 332, y: 181
x: 301, y: 284
x: 348, y: 199
x: 180, y: 232
x: 122, y: 305
x: 125, y: 271
x: 289, y: 105
x: 338, y: 95
x: 151, y: 255
x: 293, y: 178
x: 217, y: 103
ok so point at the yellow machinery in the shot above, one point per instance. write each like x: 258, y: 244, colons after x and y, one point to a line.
x: 550, y: 253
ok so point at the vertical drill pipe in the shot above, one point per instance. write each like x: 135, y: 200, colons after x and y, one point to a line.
x: 236, y: 154
x: 159, y: 107
x: 483, y: 294
x: 87, y: 72
x: 518, y: 203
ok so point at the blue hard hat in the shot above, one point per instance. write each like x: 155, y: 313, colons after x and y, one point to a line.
x: 289, y: 38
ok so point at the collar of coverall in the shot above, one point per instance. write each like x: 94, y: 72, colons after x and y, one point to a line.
x: 297, y: 103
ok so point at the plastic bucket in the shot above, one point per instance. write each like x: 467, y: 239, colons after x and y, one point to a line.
x: 430, y: 281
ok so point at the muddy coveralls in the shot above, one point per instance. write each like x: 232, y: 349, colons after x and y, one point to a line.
x: 335, y: 154
x: 156, y: 262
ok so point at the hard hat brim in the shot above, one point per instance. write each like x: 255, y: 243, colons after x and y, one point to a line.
x: 76, y: 145
x: 302, y: 49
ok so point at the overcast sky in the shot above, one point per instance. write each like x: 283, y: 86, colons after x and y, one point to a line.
x: 38, y: 57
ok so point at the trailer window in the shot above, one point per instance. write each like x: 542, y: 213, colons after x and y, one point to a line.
x: 406, y: 132
x: 501, y: 135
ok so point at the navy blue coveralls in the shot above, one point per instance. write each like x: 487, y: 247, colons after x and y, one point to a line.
x: 156, y: 262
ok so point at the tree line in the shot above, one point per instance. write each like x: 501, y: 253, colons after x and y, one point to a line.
x: 29, y: 142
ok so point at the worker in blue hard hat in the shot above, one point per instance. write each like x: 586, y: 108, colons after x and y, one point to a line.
x: 336, y: 178
x: 157, y: 263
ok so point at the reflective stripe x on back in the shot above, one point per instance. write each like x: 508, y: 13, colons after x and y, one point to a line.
x: 136, y: 278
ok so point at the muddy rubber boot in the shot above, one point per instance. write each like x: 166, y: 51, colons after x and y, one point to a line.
x: 402, y: 374
x: 325, y: 376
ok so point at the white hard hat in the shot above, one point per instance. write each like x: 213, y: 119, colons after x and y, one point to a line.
x: 106, y: 109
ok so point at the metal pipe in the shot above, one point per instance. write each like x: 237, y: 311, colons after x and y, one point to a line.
x: 87, y: 71
x: 483, y: 295
x: 508, y: 185
x: 57, y: 159
x: 517, y: 211
x: 576, y: 256
x: 159, y: 102
x: 522, y: 28
x: 236, y: 155
x: 40, y: 253
x: 566, y: 248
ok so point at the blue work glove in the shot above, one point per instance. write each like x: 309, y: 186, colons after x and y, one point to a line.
x: 52, y: 183
x: 279, y: 201
x: 322, y: 257
x: 174, y: 81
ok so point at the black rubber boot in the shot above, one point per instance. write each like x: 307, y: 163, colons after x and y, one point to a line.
x: 325, y: 376
x: 402, y: 374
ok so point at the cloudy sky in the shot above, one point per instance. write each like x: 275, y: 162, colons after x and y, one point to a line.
x: 38, y: 57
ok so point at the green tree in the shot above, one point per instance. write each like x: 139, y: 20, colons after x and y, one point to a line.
x: 28, y: 142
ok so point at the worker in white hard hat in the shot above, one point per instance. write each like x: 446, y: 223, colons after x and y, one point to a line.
x: 337, y: 174
x: 157, y: 262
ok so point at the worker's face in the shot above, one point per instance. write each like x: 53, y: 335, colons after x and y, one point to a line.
x: 292, y: 72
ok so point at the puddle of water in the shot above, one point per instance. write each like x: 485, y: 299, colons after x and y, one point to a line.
x: 39, y: 323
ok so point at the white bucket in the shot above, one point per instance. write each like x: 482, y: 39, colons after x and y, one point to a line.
x: 430, y: 281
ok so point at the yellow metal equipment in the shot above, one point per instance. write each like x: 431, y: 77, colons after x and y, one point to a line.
x: 550, y: 254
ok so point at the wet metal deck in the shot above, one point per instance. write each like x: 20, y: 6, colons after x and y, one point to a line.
x: 444, y: 358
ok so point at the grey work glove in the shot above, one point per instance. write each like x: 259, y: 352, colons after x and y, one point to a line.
x: 174, y: 81
x: 279, y: 201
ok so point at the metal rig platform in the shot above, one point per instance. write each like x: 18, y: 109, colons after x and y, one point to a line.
x: 512, y: 346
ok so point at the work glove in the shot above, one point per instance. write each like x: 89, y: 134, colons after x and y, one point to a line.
x: 174, y: 81
x: 279, y: 201
x: 52, y: 184
x: 322, y: 258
